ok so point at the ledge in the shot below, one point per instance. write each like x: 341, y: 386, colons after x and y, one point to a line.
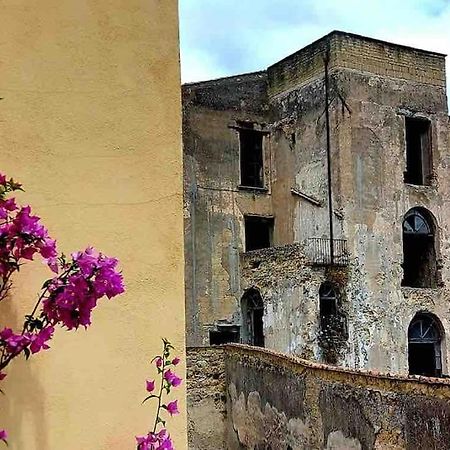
x: 259, y: 190
x: 266, y: 355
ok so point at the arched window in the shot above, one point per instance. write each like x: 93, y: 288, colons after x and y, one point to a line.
x: 419, y: 254
x: 252, y: 317
x: 424, y: 345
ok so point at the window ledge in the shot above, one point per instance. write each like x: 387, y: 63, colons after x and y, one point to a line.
x: 421, y: 186
x: 262, y: 190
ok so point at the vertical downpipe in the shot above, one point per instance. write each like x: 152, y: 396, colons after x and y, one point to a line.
x: 327, y: 121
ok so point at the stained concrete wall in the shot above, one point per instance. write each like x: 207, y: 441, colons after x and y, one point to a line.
x: 213, y: 203
x: 275, y: 401
x: 373, y: 86
x: 90, y: 123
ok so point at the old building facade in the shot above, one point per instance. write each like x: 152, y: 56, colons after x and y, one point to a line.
x: 316, y: 206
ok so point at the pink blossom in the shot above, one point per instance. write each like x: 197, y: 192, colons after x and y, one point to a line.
x: 2, y: 376
x: 72, y: 300
x: 150, y: 385
x: 2, y: 179
x: 53, y: 264
x: 158, y: 362
x: 175, y: 361
x: 3, y: 435
x: 48, y: 248
x: 9, y: 204
x: 172, y: 408
x: 15, y: 343
x: 39, y: 341
x: 155, y: 441
x: 172, y: 379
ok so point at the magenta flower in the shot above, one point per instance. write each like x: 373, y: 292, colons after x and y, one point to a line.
x: 171, y: 378
x: 39, y: 341
x: 150, y: 385
x: 158, y: 362
x: 172, y: 408
x: 3, y: 435
x: 72, y: 299
x: 2, y: 376
x: 155, y: 441
x: 175, y: 361
x: 14, y: 343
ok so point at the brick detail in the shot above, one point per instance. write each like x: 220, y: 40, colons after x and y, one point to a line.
x: 356, y: 53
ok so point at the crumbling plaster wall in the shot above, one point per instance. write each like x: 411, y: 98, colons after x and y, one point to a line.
x: 373, y: 86
x: 278, y: 402
x: 289, y: 285
x: 242, y: 397
x: 214, y: 205
x: 300, y: 162
x: 375, y: 199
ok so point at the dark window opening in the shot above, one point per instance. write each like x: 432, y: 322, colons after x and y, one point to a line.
x: 327, y: 305
x: 224, y: 335
x: 424, y: 346
x: 419, y: 255
x: 258, y: 232
x: 252, y: 308
x: 333, y: 323
x: 418, y: 151
x: 251, y: 154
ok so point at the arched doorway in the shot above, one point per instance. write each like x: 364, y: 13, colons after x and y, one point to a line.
x: 424, y: 345
x: 419, y: 254
x: 252, y: 308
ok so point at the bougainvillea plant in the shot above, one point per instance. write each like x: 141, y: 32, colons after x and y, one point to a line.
x: 158, y: 438
x: 65, y: 300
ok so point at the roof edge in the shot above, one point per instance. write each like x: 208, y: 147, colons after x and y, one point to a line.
x: 360, y: 37
x: 230, y: 77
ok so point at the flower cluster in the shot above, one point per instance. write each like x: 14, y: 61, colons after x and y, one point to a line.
x: 160, y: 439
x: 15, y: 343
x: 155, y: 441
x: 72, y: 296
x: 21, y: 235
x: 67, y: 299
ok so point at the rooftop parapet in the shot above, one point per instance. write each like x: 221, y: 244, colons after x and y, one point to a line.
x: 360, y: 53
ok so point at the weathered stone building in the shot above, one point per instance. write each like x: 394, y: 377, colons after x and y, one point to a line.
x: 317, y: 207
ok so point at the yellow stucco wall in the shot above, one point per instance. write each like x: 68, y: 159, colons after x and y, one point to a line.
x: 90, y: 124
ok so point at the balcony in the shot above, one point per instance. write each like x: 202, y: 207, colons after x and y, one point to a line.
x: 318, y: 251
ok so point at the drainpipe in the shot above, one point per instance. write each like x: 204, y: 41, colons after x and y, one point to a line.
x: 327, y: 122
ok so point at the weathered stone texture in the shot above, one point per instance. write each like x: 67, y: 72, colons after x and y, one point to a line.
x: 278, y: 402
x: 374, y: 86
x: 206, y: 398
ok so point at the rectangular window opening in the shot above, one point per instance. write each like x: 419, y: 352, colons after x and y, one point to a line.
x: 251, y: 155
x: 258, y: 232
x: 224, y: 335
x: 418, y: 151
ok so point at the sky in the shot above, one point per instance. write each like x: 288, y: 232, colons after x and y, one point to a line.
x: 227, y: 37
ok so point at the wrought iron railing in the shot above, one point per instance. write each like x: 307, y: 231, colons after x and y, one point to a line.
x: 318, y: 251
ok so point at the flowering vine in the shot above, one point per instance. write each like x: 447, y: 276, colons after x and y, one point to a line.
x: 66, y: 300
x: 158, y: 438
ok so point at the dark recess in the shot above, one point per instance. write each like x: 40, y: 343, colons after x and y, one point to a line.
x: 258, y: 232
